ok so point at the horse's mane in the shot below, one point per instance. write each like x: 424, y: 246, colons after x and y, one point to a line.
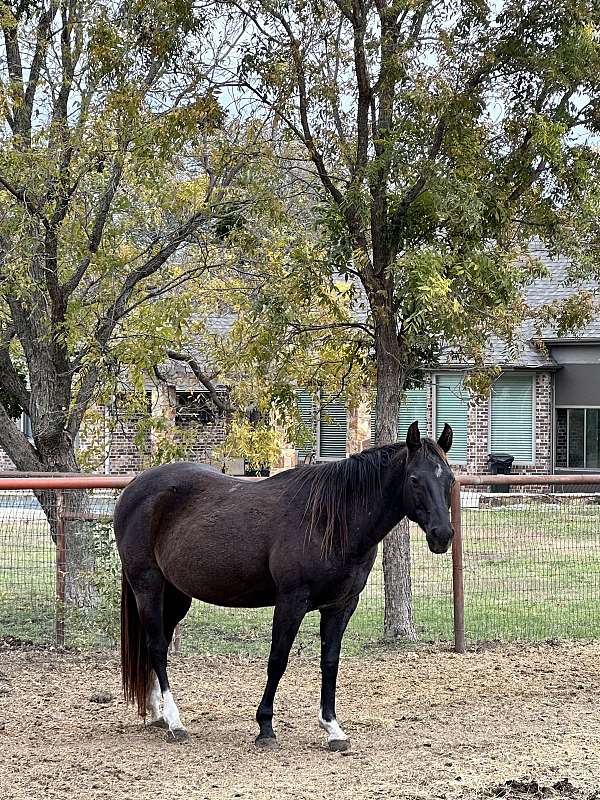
x: 339, y: 489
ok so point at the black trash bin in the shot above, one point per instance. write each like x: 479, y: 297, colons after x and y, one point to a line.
x: 500, y: 464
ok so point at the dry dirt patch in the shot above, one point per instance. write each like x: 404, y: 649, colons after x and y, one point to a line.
x: 430, y: 724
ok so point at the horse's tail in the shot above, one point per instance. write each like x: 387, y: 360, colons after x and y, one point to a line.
x: 135, y: 659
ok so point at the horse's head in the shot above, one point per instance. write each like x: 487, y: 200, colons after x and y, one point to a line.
x: 427, y: 486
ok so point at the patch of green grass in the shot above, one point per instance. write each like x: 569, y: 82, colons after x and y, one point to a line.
x: 33, y: 623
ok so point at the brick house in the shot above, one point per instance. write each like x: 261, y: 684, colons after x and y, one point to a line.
x: 543, y: 409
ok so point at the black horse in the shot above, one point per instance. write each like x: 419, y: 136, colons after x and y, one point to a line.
x: 302, y: 540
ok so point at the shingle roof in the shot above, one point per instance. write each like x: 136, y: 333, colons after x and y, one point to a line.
x: 556, y: 286
x: 527, y: 356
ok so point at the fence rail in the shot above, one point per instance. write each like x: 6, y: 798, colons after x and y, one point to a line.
x: 525, y: 564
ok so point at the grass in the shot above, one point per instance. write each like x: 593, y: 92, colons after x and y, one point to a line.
x: 530, y: 573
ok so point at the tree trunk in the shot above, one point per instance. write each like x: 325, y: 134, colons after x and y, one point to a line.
x: 398, y: 618
x: 398, y: 621
x: 54, y: 453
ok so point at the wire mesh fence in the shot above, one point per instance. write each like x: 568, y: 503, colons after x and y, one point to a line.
x: 60, y: 581
x: 531, y: 564
x: 531, y: 571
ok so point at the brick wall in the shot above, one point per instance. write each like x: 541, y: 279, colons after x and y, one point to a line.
x: 5, y: 463
x: 205, y: 440
x: 125, y: 457
x: 478, y: 447
x: 543, y: 423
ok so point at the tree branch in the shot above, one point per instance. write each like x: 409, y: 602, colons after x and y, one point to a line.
x: 222, y: 405
x: 332, y: 325
x: 119, y: 308
x: 41, y: 48
x: 11, y: 381
x: 100, y: 220
x: 364, y: 86
x: 22, y: 197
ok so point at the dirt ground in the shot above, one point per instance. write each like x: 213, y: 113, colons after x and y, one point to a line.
x: 508, y: 721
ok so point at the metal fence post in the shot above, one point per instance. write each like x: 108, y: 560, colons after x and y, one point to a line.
x: 458, y: 589
x: 61, y: 569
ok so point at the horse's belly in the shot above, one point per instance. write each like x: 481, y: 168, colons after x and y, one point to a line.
x: 250, y: 599
x: 222, y: 585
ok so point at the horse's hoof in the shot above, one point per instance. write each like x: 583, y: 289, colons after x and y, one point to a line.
x: 339, y: 745
x: 177, y: 735
x: 266, y: 742
x: 161, y: 722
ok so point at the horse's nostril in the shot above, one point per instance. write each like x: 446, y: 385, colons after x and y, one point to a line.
x: 442, y: 533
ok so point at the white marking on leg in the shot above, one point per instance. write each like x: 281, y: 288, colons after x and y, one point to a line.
x: 153, y: 712
x: 332, y: 728
x: 171, y: 712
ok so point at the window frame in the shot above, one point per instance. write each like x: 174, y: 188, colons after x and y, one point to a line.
x: 428, y: 395
x: 585, y: 409
x: 194, y: 416
x: 309, y: 449
x: 321, y: 401
x: 25, y: 425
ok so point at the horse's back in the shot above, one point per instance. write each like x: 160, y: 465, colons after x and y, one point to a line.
x: 209, y: 533
x: 164, y: 485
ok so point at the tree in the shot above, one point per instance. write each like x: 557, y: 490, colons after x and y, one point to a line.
x: 116, y: 168
x: 103, y: 107
x: 444, y: 135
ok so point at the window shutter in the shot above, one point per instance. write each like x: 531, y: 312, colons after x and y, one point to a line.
x: 511, y: 409
x: 452, y: 406
x: 414, y: 407
x: 306, y: 413
x: 333, y: 429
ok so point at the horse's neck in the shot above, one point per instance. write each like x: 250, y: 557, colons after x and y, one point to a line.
x: 386, y: 510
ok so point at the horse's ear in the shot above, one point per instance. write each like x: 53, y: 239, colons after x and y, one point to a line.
x: 445, y: 440
x: 413, y: 437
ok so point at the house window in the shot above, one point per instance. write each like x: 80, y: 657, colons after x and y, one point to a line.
x: 327, y: 419
x: 452, y: 406
x: 413, y: 407
x: 195, y: 408
x: 511, y: 417
x: 333, y: 430
x: 579, y: 429
x: 26, y: 425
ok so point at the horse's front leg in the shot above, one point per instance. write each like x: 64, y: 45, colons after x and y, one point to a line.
x: 333, y: 625
x: 287, y: 618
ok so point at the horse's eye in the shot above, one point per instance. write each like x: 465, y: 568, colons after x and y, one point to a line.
x: 413, y: 479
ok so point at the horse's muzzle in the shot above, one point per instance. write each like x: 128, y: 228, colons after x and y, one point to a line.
x: 439, y: 539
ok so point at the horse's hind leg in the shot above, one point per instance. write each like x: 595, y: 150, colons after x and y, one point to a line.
x: 333, y: 625
x: 175, y: 607
x: 149, y: 589
x: 287, y: 617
